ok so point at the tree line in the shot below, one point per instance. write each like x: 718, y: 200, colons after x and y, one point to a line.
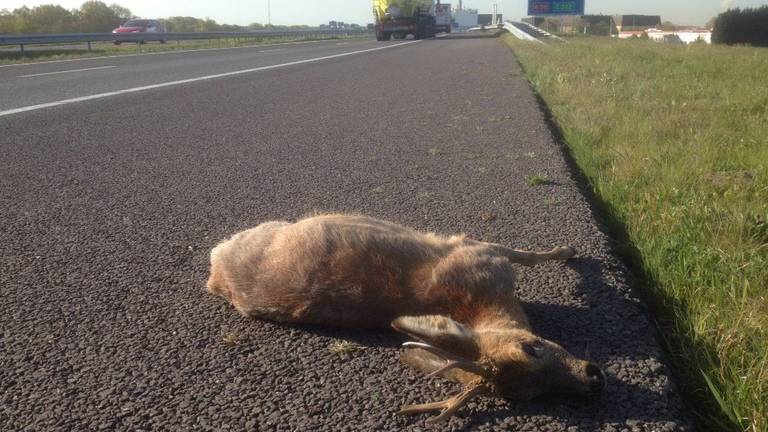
x: 94, y: 16
x: 742, y: 26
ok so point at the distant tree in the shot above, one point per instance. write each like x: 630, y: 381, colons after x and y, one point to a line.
x: 22, y: 20
x: 52, y: 19
x: 208, y: 25
x: 7, y: 21
x: 699, y: 41
x: 123, y: 13
x: 668, y: 26
x: 230, y: 28
x: 181, y: 24
x: 97, y: 17
x: 711, y: 23
x: 737, y: 26
x: 191, y: 24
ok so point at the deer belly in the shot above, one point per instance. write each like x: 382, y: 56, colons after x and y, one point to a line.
x: 341, y: 303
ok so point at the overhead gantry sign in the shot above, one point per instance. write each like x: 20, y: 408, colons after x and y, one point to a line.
x: 555, y: 7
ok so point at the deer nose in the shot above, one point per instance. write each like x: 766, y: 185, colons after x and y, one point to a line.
x: 596, y: 378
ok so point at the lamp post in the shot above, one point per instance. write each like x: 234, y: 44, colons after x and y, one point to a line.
x: 269, y: 12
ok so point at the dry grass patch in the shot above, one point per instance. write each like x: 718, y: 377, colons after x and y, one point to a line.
x: 344, y: 348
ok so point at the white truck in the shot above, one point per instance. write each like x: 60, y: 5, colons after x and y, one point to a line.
x: 443, y: 18
x: 421, y: 18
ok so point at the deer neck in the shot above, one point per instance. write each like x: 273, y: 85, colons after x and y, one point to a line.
x: 500, y: 318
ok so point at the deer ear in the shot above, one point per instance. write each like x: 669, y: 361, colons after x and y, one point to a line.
x: 442, y: 332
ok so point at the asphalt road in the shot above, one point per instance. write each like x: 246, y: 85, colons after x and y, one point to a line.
x: 24, y: 85
x: 109, y: 208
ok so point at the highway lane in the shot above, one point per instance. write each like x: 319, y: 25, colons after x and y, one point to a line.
x: 109, y: 209
x: 34, y: 84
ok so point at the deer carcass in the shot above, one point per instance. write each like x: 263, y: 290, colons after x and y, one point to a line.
x: 454, y: 295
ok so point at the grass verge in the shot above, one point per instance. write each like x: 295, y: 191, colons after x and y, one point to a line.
x: 9, y: 54
x: 674, y: 143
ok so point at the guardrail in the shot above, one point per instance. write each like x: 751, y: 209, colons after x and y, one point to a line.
x: 37, y: 39
x: 543, y: 32
x: 508, y: 26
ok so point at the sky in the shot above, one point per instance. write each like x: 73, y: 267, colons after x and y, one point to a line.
x: 314, y: 12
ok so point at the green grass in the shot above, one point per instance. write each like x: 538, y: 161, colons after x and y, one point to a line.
x: 674, y: 141
x: 99, y: 49
x: 537, y: 179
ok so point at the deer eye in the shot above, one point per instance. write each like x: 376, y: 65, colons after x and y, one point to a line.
x: 534, y: 349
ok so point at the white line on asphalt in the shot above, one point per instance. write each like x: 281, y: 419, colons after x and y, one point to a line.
x: 66, y: 71
x: 271, y: 50
x: 191, y: 80
x: 160, y: 53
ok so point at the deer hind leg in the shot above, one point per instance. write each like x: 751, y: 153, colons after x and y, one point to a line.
x: 530, y: 259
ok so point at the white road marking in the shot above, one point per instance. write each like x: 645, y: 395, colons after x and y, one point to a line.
x: 160, y: 53
x: 66, y: 71
x: 271, y: 50
x: 191, y: 80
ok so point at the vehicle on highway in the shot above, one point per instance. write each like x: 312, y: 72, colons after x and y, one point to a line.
x: 421, y: 18
x: 443, y: 18
x: 140, y: 26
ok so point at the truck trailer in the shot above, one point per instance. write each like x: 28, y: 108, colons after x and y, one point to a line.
x: 443, y: 17
x: 420, y: 18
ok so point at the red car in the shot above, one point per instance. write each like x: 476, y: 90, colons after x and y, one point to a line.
x: 141, y: 26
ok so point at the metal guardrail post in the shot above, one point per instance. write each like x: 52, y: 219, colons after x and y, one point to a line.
x: 22, y: 49
x: 89, y: 46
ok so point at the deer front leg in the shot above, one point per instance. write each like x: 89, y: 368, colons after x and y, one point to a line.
x: 448, y: 406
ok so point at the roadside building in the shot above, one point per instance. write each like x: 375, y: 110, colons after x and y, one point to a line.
x: 635, y: 23
x: 680, y: 36
x: 588, y: 24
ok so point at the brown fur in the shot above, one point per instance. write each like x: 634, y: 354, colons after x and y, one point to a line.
x: 356, y: 271
x: 359, y: 271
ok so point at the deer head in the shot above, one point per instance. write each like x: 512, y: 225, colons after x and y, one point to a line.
x: 508, y: 362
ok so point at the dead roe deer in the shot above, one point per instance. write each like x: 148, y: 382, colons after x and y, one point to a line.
x: 453, y: 294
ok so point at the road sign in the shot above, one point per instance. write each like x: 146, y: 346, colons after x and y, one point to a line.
x: 555, y: 7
